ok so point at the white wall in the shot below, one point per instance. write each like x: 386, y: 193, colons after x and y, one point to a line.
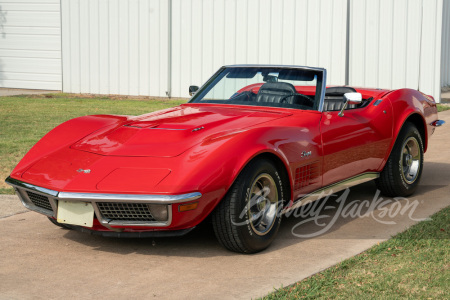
x: 121, y: 46
x: 430, y: 60
x: 30, y: 44
x: 445, y: 52
x: 210, y: 34
x: 396, y: 44
x: 115, y: 46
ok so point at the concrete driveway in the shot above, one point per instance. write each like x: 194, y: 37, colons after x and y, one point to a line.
x: 15, y: 92
x: 40, y: 260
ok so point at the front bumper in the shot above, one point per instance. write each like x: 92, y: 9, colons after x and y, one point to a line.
x: 111, y: 210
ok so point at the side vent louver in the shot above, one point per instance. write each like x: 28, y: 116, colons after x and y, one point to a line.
x: 306, y: 175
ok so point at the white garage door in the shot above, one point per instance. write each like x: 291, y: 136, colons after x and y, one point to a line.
x: 30, y: 44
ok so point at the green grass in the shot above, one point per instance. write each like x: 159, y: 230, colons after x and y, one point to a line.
x: 413, y: 264
x: 442, y: 107
x: 25, y: 119
x: 7, y: 191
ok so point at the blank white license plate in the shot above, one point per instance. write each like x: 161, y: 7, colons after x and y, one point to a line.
x: 75, y: 213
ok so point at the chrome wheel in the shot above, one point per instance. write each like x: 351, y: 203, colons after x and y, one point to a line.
x: 263, y: 204
x: 403, y: 169
x: 410, y: 160
x: 247, y: 219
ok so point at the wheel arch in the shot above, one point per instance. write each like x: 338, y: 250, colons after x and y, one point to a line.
x: 281, y: 167
x: 257, y: 143
x: 410, y: 106
x: 419, y: 122
x: 415, y: 118
x: 266, y: 144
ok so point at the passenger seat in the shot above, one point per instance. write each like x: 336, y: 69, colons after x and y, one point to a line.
x: 334, y: 98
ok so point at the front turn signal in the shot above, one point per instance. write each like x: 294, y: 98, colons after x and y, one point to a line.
x: 188, y: 206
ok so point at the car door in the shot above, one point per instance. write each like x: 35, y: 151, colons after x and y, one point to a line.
x: 355, y: 143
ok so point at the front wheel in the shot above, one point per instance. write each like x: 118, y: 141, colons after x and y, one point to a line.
x: 402, y: 172
x: 248, y: 218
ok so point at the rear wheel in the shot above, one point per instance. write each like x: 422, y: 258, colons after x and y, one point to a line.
x: 402, y: 172
x: 248, y: 218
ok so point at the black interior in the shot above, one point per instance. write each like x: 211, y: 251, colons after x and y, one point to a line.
x: 282, y: 92
x: 334, y: 98
x: 276, y: 92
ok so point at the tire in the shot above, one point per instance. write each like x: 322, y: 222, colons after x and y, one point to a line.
x: 401, y: 174
x: 245, y: 222
x: 58, y: 224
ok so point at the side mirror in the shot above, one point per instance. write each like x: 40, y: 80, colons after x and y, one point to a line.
x: 353, y: 98
x: 192, y: 90
x: 350, y: 98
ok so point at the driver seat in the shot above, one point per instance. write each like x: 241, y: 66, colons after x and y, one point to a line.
x: 276, y: 92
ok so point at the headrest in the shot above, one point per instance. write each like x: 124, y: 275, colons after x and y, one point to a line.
x: 339, y: 90
x: 277, y: 87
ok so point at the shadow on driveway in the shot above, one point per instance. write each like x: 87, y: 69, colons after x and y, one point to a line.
x: 362, y: 213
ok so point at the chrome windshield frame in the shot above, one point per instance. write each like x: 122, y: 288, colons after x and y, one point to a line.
x: 322, y: 70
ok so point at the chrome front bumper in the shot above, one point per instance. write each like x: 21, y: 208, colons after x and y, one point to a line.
x: 30, y: 195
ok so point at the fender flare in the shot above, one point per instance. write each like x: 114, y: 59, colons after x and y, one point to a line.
x: 64, y: 135
x: 248, y: 152
x: 407, y: 107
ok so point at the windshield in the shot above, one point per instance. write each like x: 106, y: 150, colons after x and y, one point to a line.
x: 264, y: 86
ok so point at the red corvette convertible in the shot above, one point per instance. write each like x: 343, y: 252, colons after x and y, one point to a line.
x: 253, y: 143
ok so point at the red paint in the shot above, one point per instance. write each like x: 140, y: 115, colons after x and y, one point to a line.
x: 120, y: 149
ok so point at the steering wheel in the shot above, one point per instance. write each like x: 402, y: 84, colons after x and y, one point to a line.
x: 308, y: 99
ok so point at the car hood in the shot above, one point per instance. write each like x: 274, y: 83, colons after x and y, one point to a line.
x: 171, y: 132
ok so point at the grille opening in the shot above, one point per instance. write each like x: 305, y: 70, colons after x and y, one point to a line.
x: 40, y: 201
x: 125, y: 211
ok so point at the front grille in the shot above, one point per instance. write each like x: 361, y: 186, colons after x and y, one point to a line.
x: 125, y: 211
x: 39, y: 200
